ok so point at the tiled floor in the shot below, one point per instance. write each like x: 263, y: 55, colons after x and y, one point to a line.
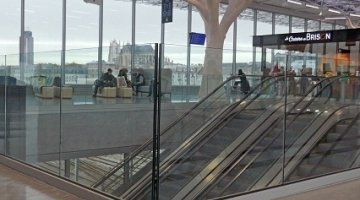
x: 345, y: 191
x: 17, y: 186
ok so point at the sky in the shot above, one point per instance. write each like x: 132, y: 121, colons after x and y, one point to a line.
x: 44, y: 19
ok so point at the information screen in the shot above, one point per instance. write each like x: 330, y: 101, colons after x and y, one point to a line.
x: 197, y: 38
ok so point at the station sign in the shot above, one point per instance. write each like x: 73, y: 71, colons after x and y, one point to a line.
x: 166, y: 11
x: 301, y: 38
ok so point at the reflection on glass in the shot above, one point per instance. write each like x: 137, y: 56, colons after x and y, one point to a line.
x: 281, y: 24
x: 313, y: 25
x: 326, y: 26
x: 264, y: 21
x: 298, y: 24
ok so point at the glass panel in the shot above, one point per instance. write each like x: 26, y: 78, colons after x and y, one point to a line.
x: 313, y: 25
x: 339, y: 27
x: 10, y: 20
x: 264, y: 23
x: 82, y: 25
x: 45, y: 29
x: 33, y: 130
x: 281, y: 24
x: 176, y: 31
x: 244, y: 53
x: 117, y: 23
x: 326, y: 26
x: 298, y: 25
x: 2, y: 103
x: 144, y: 11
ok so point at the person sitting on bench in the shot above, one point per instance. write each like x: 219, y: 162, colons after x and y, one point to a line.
x: 106, y: 80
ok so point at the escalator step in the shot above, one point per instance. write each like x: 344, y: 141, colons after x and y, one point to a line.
x: 239, y: 123
x: 340, y: 128
x: 248, y: 115
x: 168, y: 190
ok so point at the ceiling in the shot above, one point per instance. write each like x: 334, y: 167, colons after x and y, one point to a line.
x: 324, y: 10
x: 328, y: 11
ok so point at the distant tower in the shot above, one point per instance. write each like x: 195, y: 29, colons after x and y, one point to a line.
x: 114, y: 51
x: 27, y: 53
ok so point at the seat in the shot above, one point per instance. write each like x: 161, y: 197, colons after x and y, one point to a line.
x: 149, y: 76
x: 42, y: 86
x: 62, y: 91
x: 124, y: 92
x: 166, y: 81
x: 107, y: 92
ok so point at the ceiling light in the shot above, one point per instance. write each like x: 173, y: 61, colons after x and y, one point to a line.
x: 354, y: 15
x: 334, y: 11
x: 312, y: 6
x: 334, y: 18
x: 294, y: 2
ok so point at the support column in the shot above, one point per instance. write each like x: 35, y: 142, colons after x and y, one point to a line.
x: 234, y: 47
x: 67, y: 168
x: 63, y: 48
x: 22, y: 41
x: 101, y: 19
x: 126, y: 170
x: 133, y: 28
x: 188, y: 55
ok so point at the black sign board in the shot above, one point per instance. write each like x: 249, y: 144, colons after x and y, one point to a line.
x: 167, y: 11
x: 306, y: 38
x: 345, y: 35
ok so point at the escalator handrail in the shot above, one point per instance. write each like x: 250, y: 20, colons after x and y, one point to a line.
x: 144, y: 146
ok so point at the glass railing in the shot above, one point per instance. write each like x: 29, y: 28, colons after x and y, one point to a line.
x: 52, y: 120
x: 2, y: 104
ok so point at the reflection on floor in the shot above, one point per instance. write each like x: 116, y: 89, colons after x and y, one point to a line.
x: 345, y: 191
x: 17, y: 186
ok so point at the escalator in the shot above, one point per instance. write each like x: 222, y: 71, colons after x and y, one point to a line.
x: 203, y: 117
x: 239, y: 129
x: 243, y: 141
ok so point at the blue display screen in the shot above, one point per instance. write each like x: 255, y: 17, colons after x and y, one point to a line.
x: 197, y: 38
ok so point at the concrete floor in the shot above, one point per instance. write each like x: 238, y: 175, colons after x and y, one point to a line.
x: 345, y: 191
x: 17, y: 186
